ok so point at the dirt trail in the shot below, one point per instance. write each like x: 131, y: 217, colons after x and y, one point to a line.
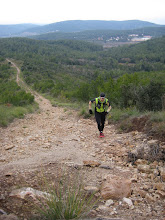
x: 58, y: 136
x: 54, y: 135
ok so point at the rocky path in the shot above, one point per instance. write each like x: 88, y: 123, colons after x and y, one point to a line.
x: 56, y: 136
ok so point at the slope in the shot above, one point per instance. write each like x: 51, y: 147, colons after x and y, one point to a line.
x: 42, y: 143
x: 15, y: 29
x: 100, y: 36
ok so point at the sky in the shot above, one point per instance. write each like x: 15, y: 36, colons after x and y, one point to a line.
x: 51, y: 11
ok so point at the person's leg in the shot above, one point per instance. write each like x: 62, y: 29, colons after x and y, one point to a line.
x: 98, y: 120
x: 102, y: 121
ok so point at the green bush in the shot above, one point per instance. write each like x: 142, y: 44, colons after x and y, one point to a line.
x: 150, y: 97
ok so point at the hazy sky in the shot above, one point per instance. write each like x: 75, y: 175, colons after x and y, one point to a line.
x: 50, y: 11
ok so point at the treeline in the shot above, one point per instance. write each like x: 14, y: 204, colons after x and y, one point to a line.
x: 10, y: 92
x: 140, y: 90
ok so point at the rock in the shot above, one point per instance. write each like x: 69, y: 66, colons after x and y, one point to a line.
x: 2, y: 159
x: 102, y: 208
x: 23, y: 192
x: 161, y: 194
x: 146, y: 187
x: 154, y: 165
x: 149, y: 198
x: 144, y: 168
x: 115, y: 188
x: 140, y: 161
x: 159, y: 186
x: 155, y: 172
x: 91, y: 163
x: 2, y: 212
x: 9, y: 147
x: 105, y: 167
x: 142, y: 193
x: 91, y: 189
x: 152, y: 142
x: 8, y: 217
x: 162, y: 173
x: 134, y: 178
x: 128, y: 201
x: 92, y: 214
x: 9, y: 174
x: 109, y: 202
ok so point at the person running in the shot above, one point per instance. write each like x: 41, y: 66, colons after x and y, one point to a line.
x: 100, y: 111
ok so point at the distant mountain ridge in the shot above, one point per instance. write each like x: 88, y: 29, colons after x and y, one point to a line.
x: 74, y: 26
x: 14, y: 29
x: 82, y: 25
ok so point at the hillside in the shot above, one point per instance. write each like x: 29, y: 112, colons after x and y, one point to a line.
x: 78, y: 70
x: 81, y: 25
x: 14, y: 30
x: 105, y: 36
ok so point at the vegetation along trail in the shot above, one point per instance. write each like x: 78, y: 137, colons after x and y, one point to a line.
x: 55, y: 137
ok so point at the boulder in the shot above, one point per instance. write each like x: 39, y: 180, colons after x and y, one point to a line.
x: 109, y: 202
x: 23, y: 192
x: 115, y: 187
x: 128, y: 201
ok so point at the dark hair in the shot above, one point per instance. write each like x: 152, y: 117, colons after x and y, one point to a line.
x: 102, y: 94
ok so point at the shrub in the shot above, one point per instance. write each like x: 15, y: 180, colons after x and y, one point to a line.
x: 150, y: 97
x: 66, y: 200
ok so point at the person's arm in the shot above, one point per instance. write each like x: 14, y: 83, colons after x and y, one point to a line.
x: 109, y: 107
x: 90, y: 106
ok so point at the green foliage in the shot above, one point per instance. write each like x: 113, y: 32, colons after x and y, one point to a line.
x: 66, y: 200
x: 8, y: 113
x: 14, y: 101
x: 117, y: 114
x: 79, y: 71
x: 157, y: 116
x: 150, y: 97
x: 103, y: 35
x: 10, y: 92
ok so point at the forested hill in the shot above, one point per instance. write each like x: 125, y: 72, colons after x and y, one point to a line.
x: 147, y: 56
x: 104, y: 35
x: 80, y: 70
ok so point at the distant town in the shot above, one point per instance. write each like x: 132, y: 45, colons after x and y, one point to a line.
x: 130, y: 38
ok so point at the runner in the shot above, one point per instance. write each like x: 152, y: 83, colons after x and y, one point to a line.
x: 100, y: 111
